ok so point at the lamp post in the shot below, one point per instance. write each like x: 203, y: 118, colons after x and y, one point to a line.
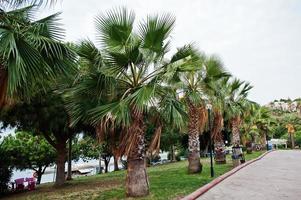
x: 266, y: 138
x: 209, y: 106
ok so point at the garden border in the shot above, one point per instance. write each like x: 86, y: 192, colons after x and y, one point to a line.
x: 219, y: 179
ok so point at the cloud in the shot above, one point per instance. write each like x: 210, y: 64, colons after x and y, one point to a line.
x: 258, y: 40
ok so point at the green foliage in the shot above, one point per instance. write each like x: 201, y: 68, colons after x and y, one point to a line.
x: 32, y: 51
x: 168, y: 181
x: 298, y: 138
x: 5, y: 169
x: 44, y: 115
x: 28, y: 151
x: 130, y: 65
x: 89, y: 148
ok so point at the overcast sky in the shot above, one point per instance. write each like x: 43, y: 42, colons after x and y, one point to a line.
x: 259, y: 41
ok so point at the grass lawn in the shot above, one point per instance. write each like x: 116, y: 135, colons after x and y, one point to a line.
x: 168, y: 181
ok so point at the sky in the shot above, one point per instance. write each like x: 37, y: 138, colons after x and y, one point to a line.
x: 259, y: 41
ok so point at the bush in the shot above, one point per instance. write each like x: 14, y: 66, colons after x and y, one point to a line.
x: 5, y: 170
x: 298, y: 138
x: 183, y: 153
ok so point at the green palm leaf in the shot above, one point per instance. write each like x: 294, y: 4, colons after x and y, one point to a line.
x: 115, y: 27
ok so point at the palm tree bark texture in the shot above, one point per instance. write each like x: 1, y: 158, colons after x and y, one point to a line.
x: 219, y: 146
x: 137, y: 183
x: 194, y: 164
x: 60, y: 162
x: 3, y: 84
x: 235, y: 130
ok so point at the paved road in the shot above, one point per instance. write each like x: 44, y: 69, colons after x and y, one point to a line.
x: 277, y: 176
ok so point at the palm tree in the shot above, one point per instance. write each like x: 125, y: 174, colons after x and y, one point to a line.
x: 263, y: 121
x: 236, y: 103
x: 16, y: 3
x: 31, y: 52
x: 218, y: 104
x: 248, y: 127
x: 119, y: 84
x: 194, y: 82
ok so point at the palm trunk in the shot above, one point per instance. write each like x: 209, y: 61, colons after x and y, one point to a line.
x: 219, y: 146
x: 292, y: 140
x: 172, y: 154
x: 137, y: 184
x: 69, y: 171
x: 3, y: 85
x: 194, y: 163
x: 235, y: 131
x: 220, y: 156
x: 60, y: 163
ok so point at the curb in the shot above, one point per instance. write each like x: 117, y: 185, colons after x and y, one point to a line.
x: 219, y: 179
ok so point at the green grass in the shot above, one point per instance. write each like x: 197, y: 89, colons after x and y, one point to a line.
x: 169, y: 181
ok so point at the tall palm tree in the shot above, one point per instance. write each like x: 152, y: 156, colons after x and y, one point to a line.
x: 248, y: 127
x: 263, y: 121
x: 194, y: 82
x: 236, y: 103
x: 218, y: 100
x: 123, y: 80
x: 31, y: 52
x: 16, y: 3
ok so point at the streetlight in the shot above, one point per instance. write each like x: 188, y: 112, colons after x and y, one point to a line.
x: 266, y: 138
x: 209, y: 107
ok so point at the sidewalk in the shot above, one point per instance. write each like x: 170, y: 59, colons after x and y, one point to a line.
x: 275, y: 176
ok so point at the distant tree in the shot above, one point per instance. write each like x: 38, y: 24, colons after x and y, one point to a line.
x: 44, y: 115
x: 29, y: 152
x: 171, y: 141
x: 90, y: 148
x: 5, y: 169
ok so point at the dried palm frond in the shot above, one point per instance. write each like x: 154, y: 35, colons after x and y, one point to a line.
x: 218, y: 124
x: 154, y: 147
x: 132, y: 137
x: 3, y: 86
x: 203, y: 118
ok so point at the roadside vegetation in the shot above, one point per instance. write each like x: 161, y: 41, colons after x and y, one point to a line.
x: 124, y: 97
x: 168, y: 181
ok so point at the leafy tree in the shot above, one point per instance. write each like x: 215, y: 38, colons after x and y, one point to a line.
x: 29, y: 152
x: 5, y: 169
x: 171, y: 141
x: 45, y: 115
x: 90, y: 148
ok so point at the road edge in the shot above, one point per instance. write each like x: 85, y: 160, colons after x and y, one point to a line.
x: 219, y: 179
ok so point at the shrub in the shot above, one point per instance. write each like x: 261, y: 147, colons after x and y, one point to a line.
x: 5, y: 170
